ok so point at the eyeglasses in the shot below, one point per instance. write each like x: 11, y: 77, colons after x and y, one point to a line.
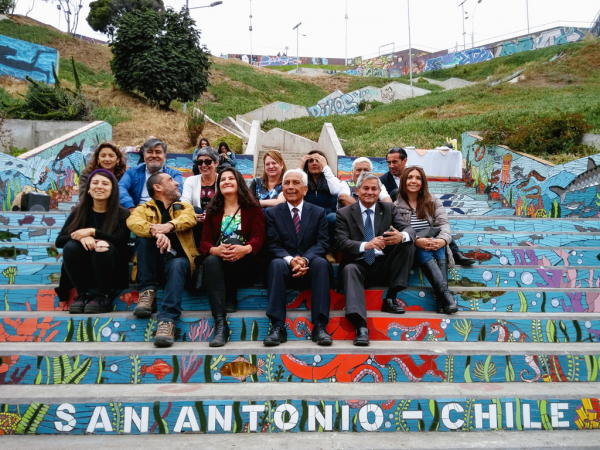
x: 206, y: 162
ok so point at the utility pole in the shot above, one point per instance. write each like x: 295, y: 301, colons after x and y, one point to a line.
x: 527, y: 4
x: 250, y: 32
x: 410, y: 53
x: 297, y: 28
x: 473, y: 25
x: 346, y: 58
x: 463, y: 21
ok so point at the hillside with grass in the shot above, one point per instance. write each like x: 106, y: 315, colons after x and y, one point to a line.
x: 569, y: 85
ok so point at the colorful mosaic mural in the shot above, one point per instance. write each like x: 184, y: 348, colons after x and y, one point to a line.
x: 271, y: 416
x: 531, y: 187
x: 22, y: 59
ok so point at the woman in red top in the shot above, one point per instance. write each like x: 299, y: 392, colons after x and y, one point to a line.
x: 234, y: 231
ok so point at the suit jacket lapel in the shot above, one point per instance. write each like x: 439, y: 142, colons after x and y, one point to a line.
x: 378, y: 218
x: 304, y: 220
x: 286, y: 216
x: 357, y: 216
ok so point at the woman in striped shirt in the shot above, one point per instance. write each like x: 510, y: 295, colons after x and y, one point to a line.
x: 424, y: 212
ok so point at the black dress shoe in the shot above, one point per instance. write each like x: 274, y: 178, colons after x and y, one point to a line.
x: 460, y: 259
x: 78, y: 305
x: 321, y: 336
x: 361, y: 339
x: 278, y: 335
x: 391, y: 305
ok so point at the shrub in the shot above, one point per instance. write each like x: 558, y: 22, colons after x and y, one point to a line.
x: 195, y: 122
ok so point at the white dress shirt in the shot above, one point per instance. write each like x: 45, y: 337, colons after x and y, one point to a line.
x: 288, y: 259
x: 397, y: 180
x: 145, y: 197
x: 405, y: 235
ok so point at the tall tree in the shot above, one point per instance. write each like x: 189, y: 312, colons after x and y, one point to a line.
x: 159, y: 55
x: 71, y: 10
x: 105, y: 13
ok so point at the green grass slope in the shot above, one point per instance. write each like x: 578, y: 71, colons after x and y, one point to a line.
x: 571, y: 84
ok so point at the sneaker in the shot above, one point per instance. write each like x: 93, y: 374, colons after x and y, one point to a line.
x: 165, y: 334
x: 99, y: 303
x: 78, y: 305
x: 146, y: 304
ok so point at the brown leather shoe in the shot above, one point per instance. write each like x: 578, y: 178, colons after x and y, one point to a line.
x: 165, y: 334
x: 146, y: 304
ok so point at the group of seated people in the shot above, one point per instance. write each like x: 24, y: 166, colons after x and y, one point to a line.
x: 284, y: 228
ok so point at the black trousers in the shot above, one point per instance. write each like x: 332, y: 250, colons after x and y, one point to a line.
x: 392, y: 270
x: 222, y: 279
x: 90, y: 269
x: 279, y: 278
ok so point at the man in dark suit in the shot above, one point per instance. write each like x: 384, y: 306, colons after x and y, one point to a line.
x: 297, y: 237
x: 396, y: 160
x: 378, y: 248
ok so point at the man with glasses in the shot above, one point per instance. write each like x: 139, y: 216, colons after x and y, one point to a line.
x: 132, y: 187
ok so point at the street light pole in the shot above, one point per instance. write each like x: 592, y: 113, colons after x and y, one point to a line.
x: 527, y: 4
x: 463, y: 21
x: 250, y: 32
x: 297, y: 28
x: 346, y: 58
x: 410, y: 52
x: 473, y: 25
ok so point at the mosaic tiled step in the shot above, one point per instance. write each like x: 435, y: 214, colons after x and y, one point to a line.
x: 24, y: 273
x: 514, y: 256
x: 28, y: 252
x: 481, y: 211
x: 38, y: 234
x: 254, y: 325
x: 481, y: 224
x: 526, y: 238
x: 47, y: 219
x: 191, y: 362
x: 508, y: 299
x: 299, y: 407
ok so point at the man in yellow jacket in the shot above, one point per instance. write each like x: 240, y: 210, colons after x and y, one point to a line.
x: 165, y: 245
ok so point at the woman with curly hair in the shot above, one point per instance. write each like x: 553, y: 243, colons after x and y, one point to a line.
x: 427, y: 216
x: 234, y: 232
x: 107, y: 156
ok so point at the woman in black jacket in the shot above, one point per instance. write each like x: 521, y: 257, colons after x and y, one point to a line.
x: 95, y: 253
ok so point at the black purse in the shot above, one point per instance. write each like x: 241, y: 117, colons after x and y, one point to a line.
x: 429, y: 232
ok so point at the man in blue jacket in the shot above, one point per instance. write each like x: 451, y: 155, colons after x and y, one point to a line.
x: 132, y: 186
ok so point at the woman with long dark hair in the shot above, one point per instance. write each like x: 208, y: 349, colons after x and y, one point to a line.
x: 95, y: 253
x: 267, y: 189
x: 106, y: 156
x: 234, y: 232
x: 427, y: 216
x: 226, y: 157
x: 201, y: 144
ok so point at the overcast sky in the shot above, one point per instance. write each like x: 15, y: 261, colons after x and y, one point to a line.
x: 435, y: 24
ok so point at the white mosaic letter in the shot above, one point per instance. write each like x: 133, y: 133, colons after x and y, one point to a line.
x: 278, y: 417
x: 446, y: 416
x: 99, y: 413
x: 186, y: 419
x: 363, y: 417
x: 315, y: 415
x: 214, y: 415
x: 253, y: 411
x: 527, y: 423
x: 490, y: 415
x: 63, y: 412
x: 556, y: 414
x: 132, y: 416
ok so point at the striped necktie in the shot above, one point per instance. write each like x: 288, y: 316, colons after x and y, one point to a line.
x: 296, y: 219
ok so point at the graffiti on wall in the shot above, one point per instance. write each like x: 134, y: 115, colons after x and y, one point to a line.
x: 341, y: 104
x: 20, y: 59
x: 54, y: 171
x: 283, y: 60
x: 531, y: 187
x: 549, y: 38
x: 471, y: 56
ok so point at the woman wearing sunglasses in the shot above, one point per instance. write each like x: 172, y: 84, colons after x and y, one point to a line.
x: 427, y: 216
x: 200, y: 189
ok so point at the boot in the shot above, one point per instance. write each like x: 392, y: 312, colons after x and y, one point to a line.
x: 78, y: 305
x: 231, y: 303
x: 221, y: 335
x: 436, y: 274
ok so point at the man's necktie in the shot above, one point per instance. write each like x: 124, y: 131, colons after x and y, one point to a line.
x: 296, y: 219
x: 369, y: 254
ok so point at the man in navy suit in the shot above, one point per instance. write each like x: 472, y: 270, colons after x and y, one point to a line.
x: 297, y: 238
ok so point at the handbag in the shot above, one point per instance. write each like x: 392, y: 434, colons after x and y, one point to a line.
x: 196, y: 281
x: 429, y: 232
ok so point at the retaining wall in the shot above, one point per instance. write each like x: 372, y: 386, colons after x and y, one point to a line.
x: 33, y: 133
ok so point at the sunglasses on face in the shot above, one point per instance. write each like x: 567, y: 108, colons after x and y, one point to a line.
x: 206, y: 162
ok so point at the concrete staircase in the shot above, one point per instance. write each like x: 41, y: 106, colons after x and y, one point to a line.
x: 529, y: 322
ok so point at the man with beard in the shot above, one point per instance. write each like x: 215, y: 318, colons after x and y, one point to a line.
x: 166, y: 248
x: 132, y: 186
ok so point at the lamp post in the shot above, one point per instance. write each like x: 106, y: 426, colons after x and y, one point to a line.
x: 527, y: 4
x: 412, y: 91
x: 473, y: 25
x: 297, y: 45
x: 58, y: 7
x: 250, y: 28
x: 462, y: 5
x: 346, y: 56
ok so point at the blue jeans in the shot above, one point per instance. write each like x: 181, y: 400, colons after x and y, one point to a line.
x: 422, y: 256
x: 151, y: 264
